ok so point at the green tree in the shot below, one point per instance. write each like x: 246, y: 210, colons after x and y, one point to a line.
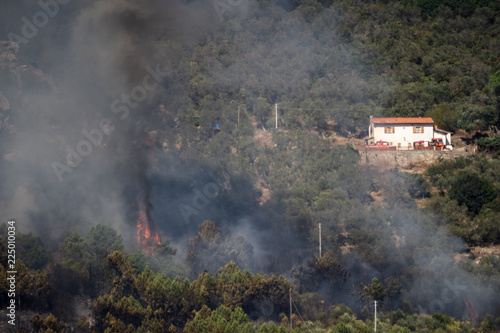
x: 212, y: 248
x: 469, y: 189
x: 485, y: 227
x: 373, y: 292
x: 444, y: 117
x: 324, y: 273
x: 161, y: 262
x: 272, y: 328
x: 102, y: 240
x: 49, y: 324
x: 32, y: 250
x: 261, y: 110
x: 477, y: 117
x: 88, y: 255
x: 493, y: 86
x: 220, y: 320
x: 489, y: 144
x: 32, y: 288
x: 73, y: 252
x: 343, y: 328
x: 235, y: 287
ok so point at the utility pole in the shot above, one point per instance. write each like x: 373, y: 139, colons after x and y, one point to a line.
x: 375, y: 321
x: 291, y: 323
x: 320, y: 240
x: 276, y: 110
x: 238, y: 116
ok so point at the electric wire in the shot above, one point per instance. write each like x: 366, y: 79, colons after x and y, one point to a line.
x: 300, y: 316
x: 380, y: 108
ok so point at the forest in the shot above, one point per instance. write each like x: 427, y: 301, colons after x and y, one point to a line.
x: 171, y: 165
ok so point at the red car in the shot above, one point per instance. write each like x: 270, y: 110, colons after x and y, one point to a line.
x: 436, y: 143
x: 380, y: 145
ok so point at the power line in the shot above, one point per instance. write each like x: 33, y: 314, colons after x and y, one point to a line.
x: 381, y: 108
x: 300, y: 316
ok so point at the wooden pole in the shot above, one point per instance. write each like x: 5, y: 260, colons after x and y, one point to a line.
x: 320, y: 240
x: 291, y: 323
x: 276, y: 111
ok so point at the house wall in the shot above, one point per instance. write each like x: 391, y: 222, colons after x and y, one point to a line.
x: 445, y: 136
x: 403, y: 135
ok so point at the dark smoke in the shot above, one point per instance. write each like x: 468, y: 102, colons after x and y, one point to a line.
x: 102, y: 55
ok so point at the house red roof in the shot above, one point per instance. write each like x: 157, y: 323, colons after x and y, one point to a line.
x: 415, y: 120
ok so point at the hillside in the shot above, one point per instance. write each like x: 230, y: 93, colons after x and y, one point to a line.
x: 152, y: 191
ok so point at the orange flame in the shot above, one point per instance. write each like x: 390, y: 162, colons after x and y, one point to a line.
x: 471, y: 310
x: 147, y: 234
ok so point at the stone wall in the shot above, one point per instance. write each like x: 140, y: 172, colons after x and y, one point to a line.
x: 409, y: 160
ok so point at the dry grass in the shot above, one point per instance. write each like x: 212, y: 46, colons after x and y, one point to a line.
x: 263, y: 138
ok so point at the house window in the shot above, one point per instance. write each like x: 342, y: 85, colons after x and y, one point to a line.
x: 418, y: 129
x: 388, y: 129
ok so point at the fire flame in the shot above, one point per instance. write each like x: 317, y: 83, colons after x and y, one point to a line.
x: 471, y: 310
x: 147, y: 234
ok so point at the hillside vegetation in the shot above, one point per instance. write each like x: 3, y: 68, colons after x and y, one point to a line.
x: 237, y: 202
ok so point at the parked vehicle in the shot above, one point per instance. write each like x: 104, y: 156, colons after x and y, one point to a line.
x: 436, y: 143
x: 380, y: 145
x: 419, y: 144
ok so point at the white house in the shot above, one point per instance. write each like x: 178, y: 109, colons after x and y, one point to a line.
x: 403, y: 132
